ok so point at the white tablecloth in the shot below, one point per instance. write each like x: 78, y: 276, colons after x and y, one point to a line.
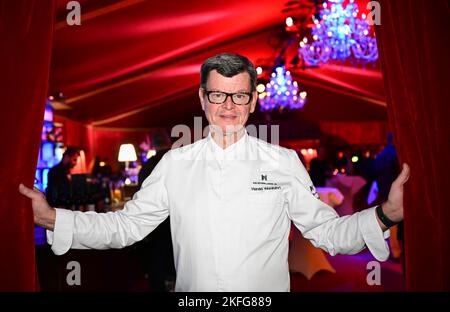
x: 348, y: 186
x: 330, y: 195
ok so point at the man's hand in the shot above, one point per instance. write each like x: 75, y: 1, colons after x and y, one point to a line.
x: 393, y: 207
x: 44, y: 215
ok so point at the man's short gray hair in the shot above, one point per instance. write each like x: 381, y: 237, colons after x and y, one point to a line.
x: 228, y: 65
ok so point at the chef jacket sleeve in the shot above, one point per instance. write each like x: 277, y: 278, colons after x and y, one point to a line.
x: 91, y: 230
x: 320, y: 223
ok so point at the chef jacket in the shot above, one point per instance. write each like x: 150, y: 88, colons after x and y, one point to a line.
x: 230, y: 213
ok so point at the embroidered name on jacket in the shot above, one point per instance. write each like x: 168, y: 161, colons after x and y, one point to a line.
x: 266, y: 188
x: 264, y: 184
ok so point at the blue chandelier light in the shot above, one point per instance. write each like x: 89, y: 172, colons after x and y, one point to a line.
x: 338, y: 35
x: 281, y: 92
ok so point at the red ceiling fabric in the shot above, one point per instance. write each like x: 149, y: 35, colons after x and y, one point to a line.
x: 135, y: 63
x: 150, y: 34
x: 414, y: 50
x: 26, y: 28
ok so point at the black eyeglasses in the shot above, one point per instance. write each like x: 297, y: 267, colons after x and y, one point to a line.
x: 219, y: 97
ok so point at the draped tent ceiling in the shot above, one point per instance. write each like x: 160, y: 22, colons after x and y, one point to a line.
x: 135, y: 63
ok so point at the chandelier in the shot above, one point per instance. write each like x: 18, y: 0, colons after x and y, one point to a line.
x: 338, y: 35
x: 281, y: 92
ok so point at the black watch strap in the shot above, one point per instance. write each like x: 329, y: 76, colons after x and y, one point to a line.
x: 385, y: 220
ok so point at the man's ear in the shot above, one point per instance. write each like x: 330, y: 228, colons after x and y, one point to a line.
x: 201, y: 95
x: 253, y: 102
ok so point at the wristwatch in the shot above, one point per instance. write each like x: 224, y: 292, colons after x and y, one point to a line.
x: 385, y: 220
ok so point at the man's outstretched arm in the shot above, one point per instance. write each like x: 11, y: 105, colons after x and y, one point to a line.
x: 348, y: 234
x: 83, y: 230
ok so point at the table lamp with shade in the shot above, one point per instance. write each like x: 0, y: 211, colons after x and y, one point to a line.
x: 127, y: 153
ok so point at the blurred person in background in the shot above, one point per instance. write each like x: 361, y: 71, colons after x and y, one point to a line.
x: 156, y: 250
x: 59, y: 187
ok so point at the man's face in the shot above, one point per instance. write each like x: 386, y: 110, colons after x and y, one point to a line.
x: 70, y: 161
x: 228, y: 116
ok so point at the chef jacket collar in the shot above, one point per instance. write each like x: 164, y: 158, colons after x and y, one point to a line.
x: 234, y: 151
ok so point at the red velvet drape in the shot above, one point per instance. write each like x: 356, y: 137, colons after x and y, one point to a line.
x: 26, y: 29
x: 413, y: 42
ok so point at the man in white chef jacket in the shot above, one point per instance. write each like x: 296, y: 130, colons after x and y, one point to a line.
x: 231, y: 199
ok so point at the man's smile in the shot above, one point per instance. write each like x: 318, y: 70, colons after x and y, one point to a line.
x: 228, y: 117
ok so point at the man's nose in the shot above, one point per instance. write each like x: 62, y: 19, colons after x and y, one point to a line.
x: 228, y: 104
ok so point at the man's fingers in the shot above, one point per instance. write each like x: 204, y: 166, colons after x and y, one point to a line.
x: 404, y: 175
x: 33, y: 194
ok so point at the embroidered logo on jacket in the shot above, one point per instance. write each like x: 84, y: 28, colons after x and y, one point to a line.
x: 313, y: 191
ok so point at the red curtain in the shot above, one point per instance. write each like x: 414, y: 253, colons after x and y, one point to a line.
x: 413, y: 43
x: 26, y: 30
